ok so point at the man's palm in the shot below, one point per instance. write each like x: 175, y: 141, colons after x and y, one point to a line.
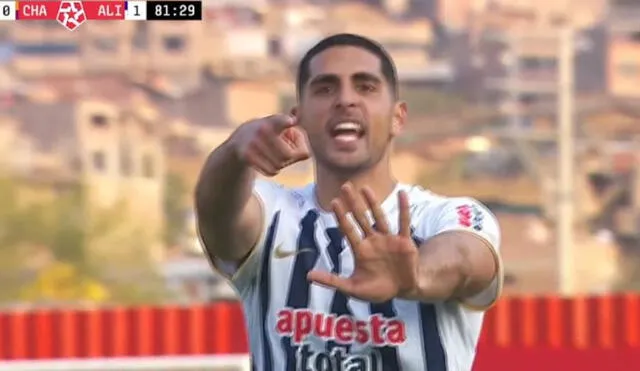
x: 385, y: 263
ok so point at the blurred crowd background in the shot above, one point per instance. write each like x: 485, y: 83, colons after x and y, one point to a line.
x: 103, y: 131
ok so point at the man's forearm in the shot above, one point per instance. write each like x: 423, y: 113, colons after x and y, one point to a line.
x: 443, y: 268
x: 224, y: 186
x: 455, y: 265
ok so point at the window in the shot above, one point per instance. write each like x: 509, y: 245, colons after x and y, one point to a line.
x: 99, y: 120
x: 50, y: 48
x: 275, y: 47
x: 174, y: 43
x: 126, y: 160
x: 537, y: 63
x: 141, y: 36
x: 148, y: 168
x: 623, y: 3
x: 629, y: 69
x: 99, y: 161
x: 529, y: 98
x: 106, y: 44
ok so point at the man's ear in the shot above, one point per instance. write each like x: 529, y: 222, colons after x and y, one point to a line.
x: 399, y: 118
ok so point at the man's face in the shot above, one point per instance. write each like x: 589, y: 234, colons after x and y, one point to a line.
x: 348, y: 109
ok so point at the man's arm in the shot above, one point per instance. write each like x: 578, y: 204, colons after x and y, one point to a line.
x: 462, y: 260
x: 229, y: 215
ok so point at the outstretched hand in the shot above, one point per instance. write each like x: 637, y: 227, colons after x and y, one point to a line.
x: 386, y: 264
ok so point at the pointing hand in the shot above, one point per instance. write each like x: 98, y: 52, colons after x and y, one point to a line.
x: 271, y: 143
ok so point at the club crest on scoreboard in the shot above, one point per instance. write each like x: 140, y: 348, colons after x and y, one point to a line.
x: 71, y: 14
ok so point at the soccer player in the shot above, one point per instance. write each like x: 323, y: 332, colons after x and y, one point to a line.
x: 355, y: 271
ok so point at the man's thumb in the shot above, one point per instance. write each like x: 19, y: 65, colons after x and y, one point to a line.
x: 301, y: 147
x: 302, y: 153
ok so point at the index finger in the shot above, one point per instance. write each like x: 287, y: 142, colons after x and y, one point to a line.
x: 404, y: 215
x: 346, y: 226
x: 280, y: 123
x: 378, y: 215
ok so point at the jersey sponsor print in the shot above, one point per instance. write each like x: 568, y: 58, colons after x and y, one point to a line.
x: 295, y: 325
x: 344, y: 330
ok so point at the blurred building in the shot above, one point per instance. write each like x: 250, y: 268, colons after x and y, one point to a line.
x: 43, y: 48
x: 513, y: 50
x: 118, y: 105
x: 102, y: 138
x: 293, y: 28
x: 517, y: 177
x: 623, y: 68
x: 240, y: 40
x: 174, y: 49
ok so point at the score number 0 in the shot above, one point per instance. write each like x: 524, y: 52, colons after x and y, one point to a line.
x: 7, y: 11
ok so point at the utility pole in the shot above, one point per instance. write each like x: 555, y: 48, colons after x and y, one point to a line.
x: 566, y: 157
x: 513, y: 82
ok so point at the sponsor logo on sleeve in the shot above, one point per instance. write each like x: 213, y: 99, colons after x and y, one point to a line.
x: 470, y: 216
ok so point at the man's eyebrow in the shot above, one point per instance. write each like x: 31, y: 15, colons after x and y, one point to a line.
x: 366, y: 76
x: 324, y: 79
x: 332, y: 78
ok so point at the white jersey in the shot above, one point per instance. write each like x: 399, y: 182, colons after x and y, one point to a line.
x: 295, y: 325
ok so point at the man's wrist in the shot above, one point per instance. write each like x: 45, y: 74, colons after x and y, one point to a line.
x: 439, y: 275
x: 415, y: 291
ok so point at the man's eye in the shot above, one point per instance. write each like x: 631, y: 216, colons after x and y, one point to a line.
x: 367, y: 88
x: 323, y: 90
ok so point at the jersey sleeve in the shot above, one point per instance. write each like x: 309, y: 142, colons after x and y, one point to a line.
x: 243, y: 275
x: 469, y: 215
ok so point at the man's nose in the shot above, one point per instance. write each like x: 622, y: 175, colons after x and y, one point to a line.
x: 348, y: 97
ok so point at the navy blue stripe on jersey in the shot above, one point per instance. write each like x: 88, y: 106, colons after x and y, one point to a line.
x: 265, y: 294
x: 305, y: 261
x: 432, y: 349
x: 389, y: 355
x: 339, y: 303
x: 416, y: 240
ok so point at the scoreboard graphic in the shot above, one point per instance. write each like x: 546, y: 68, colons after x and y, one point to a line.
x: 72, y: 14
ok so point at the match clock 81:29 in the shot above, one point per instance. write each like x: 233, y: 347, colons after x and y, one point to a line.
x: 174, y: 10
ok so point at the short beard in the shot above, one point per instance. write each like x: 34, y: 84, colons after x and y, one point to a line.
x: 347, y: 172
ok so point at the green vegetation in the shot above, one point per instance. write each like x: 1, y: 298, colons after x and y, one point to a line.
x: 174, y: 210
x: 55, y: 250
x: 630, y: 271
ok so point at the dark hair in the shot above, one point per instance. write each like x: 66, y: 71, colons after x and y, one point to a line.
x: 347, y: 39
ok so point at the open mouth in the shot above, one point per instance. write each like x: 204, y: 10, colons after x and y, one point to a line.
x: 347, y: 131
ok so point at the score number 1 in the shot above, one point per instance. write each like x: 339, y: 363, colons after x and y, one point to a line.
x: 136, y: 11
x: 7, y: 10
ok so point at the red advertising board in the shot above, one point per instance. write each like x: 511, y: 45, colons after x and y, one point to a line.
x: 599, y: 333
